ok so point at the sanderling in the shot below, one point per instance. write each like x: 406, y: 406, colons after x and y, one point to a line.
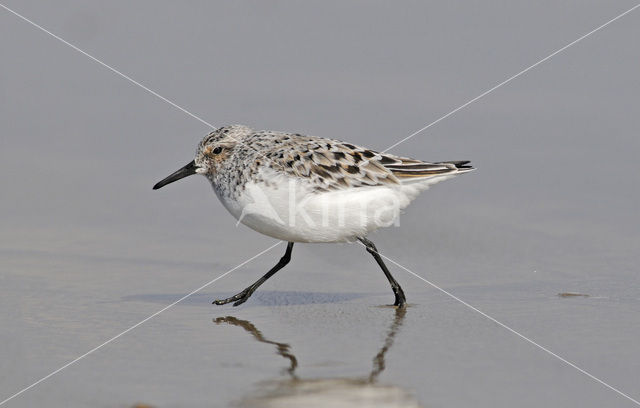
x: 310, y: 189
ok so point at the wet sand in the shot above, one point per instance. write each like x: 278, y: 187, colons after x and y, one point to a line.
x: 286, y: 348
x: 87, y: 249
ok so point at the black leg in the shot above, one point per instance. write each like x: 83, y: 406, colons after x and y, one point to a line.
x: 397, y: 290
x: 242, y: 297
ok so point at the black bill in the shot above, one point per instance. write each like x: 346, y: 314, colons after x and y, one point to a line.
x: 187, y: 170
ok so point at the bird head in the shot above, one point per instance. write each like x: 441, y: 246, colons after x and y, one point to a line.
x: 213, y: 151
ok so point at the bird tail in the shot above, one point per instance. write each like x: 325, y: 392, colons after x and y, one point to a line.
x: 422, y: 170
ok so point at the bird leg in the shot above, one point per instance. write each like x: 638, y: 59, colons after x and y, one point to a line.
x: 397, y: 290
x: 242, y: 297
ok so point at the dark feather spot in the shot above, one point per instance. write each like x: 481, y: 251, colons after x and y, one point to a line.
x: 338, y: 155
x: 349, y: 145
x: 333, y: 169
x: 368, y: 154
x: 387, y: 160
x: 353, y: 169
x: 321, y: 173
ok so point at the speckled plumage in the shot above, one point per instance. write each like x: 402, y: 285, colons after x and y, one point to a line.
x: 325, y: 164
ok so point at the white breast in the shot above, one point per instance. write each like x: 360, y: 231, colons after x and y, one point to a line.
x: 286, y: 208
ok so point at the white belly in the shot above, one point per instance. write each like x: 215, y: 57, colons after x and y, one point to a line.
x: 291, y: 212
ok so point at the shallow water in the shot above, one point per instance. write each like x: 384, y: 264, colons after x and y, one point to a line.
x: 319, y: 392
x: 87, y: 249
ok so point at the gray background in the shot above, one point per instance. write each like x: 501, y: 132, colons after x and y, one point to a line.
x: 88, y: 249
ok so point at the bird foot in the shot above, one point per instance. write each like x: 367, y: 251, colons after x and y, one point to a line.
x: 400, y: 305
x: 239, y: 299
x: 401, y: 300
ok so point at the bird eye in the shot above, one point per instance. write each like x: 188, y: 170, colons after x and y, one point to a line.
x: 217, y: 150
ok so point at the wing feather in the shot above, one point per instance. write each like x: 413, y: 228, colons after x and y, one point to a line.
x: 331, y: 164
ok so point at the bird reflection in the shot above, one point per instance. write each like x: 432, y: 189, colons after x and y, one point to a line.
x: 378, y: 360
x: 281, y: 348
x: 357, y: 391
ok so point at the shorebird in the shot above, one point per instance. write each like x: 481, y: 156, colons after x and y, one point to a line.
x: 300, y: 188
